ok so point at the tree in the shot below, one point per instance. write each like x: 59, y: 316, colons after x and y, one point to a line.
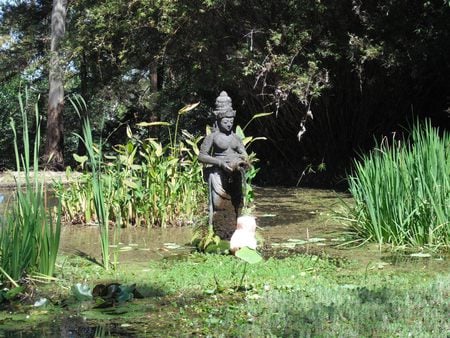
x: 54, y: 145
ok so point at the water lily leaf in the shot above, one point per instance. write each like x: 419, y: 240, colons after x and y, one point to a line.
x: 82, y: 292
x: 249, y: 255
x: 172, y: 246
x: 339, y: 239
x: 315, y: 240
x: 268, y: 215
x: 287, y: 245
x: 297, y: 241
x: 420, y: 255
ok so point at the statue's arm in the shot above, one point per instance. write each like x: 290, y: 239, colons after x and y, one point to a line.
x: 205, y: 148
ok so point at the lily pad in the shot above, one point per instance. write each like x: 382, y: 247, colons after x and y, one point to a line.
x: 172, y: 246
x: 297, y: 241
x: 315, y: 240
x: 421, y: 255
x: 284, y: 245
x: 249, y: 255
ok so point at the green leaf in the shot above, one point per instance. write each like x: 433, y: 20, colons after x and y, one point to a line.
x: 187, y: 108
x: 150, y: 124
x: 80, y: 159
x: 248, y: 255
x: 261, y: 115
x: 10, y: 294
x: 240, y: 132
x: 130, y: 184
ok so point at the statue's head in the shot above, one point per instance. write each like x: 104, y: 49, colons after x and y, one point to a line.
x: 224, y: 107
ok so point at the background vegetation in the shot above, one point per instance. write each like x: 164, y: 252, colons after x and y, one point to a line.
x: 361, y: 69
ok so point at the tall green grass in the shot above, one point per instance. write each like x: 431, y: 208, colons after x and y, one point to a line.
x: 402, y: 191
x: 30, y: 234
x: 98, y: 188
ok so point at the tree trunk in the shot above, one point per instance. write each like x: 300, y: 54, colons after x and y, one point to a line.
x: 54, y: 145
x: 154, y: 76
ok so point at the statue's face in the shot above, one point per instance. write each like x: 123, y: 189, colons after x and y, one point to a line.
x: 226, y: 124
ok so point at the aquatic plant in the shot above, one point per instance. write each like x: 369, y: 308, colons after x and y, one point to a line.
x: 144, y: 182
x: 98, y: 188
x: 29, y: 233
x: 402, y: 191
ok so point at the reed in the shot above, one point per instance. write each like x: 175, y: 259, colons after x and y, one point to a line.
x: 402, y: 191
x: 30, y: 234
x: 98, y: 186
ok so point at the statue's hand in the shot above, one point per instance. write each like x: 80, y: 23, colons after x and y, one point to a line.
x: 224, y: 165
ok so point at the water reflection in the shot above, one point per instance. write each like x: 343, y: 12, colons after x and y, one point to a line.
x: 134, y: 244
x: 71, y: 327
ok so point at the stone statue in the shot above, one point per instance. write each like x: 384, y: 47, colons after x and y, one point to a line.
x: 224, y: 151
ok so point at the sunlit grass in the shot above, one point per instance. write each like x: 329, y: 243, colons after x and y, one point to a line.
x: 299, y: 296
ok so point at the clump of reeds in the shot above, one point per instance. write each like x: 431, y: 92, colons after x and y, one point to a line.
x: 402, y: 191
x: 29, y: 233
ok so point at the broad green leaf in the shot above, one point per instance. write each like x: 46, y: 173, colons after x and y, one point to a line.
x: 247, y: 139
x: 187, y: 108
x: 80, y: 159
x: 248, y: 255
x: 150, y: 124
x: 240, y: 132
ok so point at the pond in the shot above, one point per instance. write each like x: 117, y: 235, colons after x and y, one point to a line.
x: 290, y: 221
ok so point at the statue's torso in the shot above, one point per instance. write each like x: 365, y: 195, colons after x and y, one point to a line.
x: 226, y: 146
